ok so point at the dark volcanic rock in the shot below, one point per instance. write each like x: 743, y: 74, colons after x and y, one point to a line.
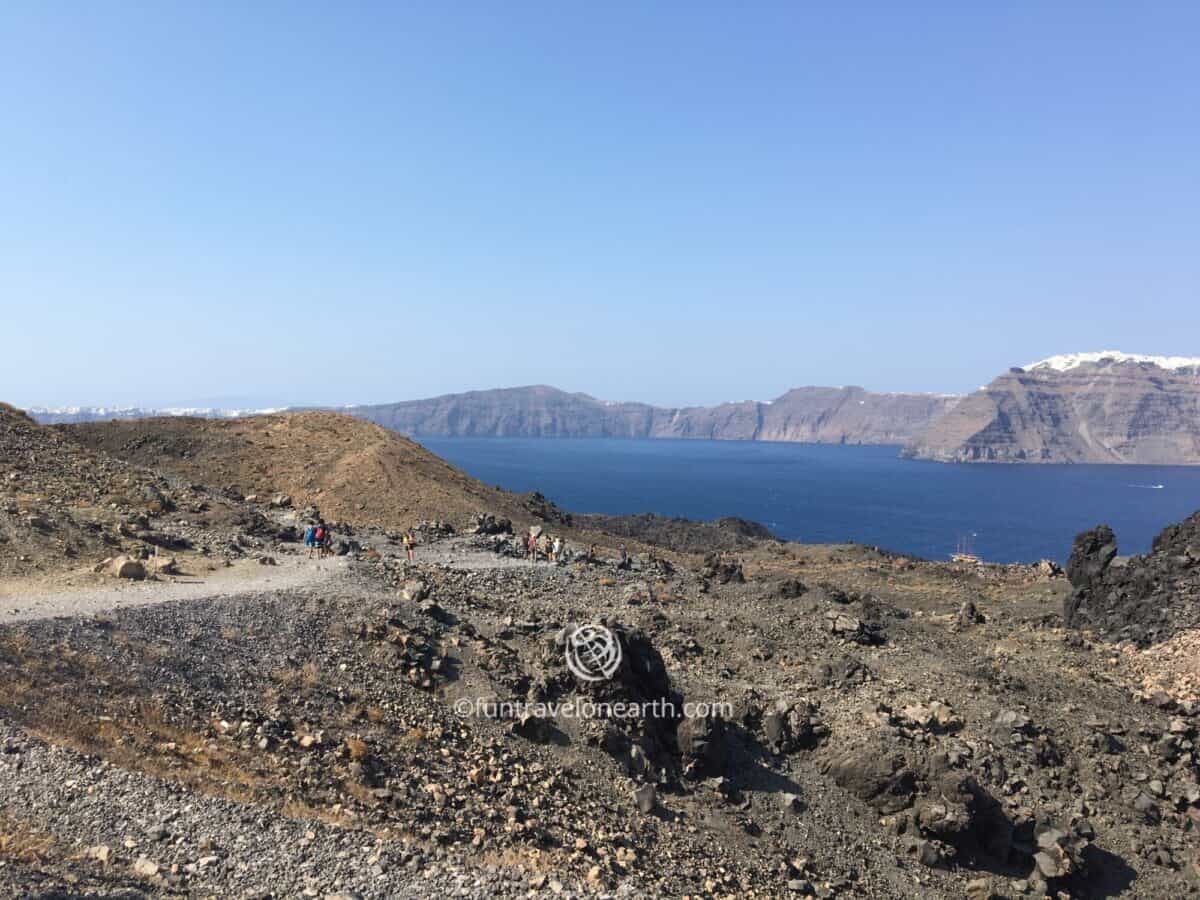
x: 721, y: 569
x: 1091, y: 556
x: 1145, y: 599
x: 682, y: 535
x: 876, y: 775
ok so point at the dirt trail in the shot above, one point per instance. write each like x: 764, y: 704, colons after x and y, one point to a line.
x: 458, y: 553
x: 30, y: 600
x: 24, y: 602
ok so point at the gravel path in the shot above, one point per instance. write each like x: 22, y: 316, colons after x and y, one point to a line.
x: 460, y: 553
x: 248, y: 577
x: 161, y: 838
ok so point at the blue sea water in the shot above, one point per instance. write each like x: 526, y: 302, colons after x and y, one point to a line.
x: 823, y: 493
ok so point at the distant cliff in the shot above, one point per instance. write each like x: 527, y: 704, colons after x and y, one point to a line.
x: 847, y: 415
x: 1106, y: 407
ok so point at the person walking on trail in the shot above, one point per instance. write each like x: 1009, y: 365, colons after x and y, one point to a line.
x: 624, y: 563
x: 327, y: 544
x: 531, y: 548
x: 319, y: 539
x: 408, y: 545
x: 310, y: 539
x: 556, y: 550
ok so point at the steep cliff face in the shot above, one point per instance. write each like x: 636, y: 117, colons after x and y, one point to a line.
x: 724, y: 422
x: 538, y: 411
x: 1087, y: 408
x: 848, y: 415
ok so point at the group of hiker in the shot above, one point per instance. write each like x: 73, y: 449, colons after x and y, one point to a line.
x: 542, y: 545
x: 318, y: 538
x: 539, y: 545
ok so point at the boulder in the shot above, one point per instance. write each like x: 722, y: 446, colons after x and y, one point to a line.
x: 842, y: 672
x: 876, y: 775
x: 790, y: 803
x: 414, y: 590
x: 948, y: 811
x: 645, y: 797
x: 1091, y: 555
x: 702, y: 744
x: 1145, y: 599
x: 927, y: 853
x: 165, y: 565
x: 790, y: 589
x: 852, y: 628
x: 936, y: 717
x: 717, y: 567
x: 788, y: 727
x: 968, y: 615
x: 145, y: 867
x: 486, y: 523
x: 125, y: 567
x: 1060, y: 852
x: 1048, y: 568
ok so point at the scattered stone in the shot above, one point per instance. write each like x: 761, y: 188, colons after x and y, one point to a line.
x: 853, y: 629
x: 645, y: 798
x: 145, y: 867
x: 968, y: 615
x: 414, y: 590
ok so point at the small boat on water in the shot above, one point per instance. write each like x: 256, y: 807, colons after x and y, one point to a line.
x: 965, y: 553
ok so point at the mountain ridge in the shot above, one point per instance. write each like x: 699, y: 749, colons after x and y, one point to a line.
x: 848, y: 414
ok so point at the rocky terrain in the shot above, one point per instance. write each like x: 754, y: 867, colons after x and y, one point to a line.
x: 729, y: 534
x: 1090, y: 408
x: 63, y: 504
x: 847, y: 415
x: 1144, y: 599
x: 876, y: 726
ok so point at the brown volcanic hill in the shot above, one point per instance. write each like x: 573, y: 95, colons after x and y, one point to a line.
x: 1117, y: 408
x: 351, y: 470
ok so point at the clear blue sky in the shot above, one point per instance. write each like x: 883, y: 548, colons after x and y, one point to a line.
x: 673, y: 202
